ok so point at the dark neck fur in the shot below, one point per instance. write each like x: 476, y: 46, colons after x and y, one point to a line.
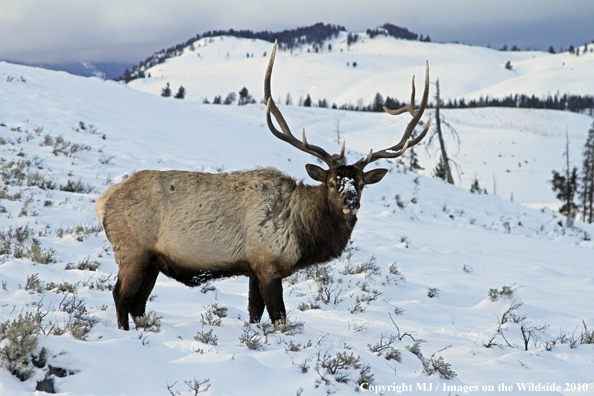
x: 323, y: 231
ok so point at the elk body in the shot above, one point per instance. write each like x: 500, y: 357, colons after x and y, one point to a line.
x: 194, y: 227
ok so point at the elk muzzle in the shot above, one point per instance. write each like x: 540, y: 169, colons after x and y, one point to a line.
x: 351, y: 205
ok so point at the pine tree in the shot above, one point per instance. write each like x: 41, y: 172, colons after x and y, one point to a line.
x: 181, y: 93
x: 440, y: 170
x: 586, y: 193
x: 566, y: 189
x: 475, y: 187
x: 245, y: 97
x: 413, y: 163
x: 230, y: 98
x: 307, y: 101
x: 166, y: 92
x: 392, y: 103
x: 378, y: 103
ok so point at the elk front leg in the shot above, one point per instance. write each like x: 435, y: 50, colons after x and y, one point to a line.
x: 255, y: 301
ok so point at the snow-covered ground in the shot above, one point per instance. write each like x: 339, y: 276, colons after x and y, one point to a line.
x: 429, y: 252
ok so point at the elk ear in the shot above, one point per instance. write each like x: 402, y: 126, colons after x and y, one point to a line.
x: 316, y: 173
x: 374, y: 176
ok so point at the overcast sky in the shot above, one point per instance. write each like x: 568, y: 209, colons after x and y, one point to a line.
x: 49, y: 31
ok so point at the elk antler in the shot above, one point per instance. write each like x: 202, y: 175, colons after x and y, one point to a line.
x: 400, y: 148
x: 286, y: 135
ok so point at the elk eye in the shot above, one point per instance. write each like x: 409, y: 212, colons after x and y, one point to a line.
x: 331, y: 184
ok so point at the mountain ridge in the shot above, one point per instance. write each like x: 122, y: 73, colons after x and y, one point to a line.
x: 351, y: 71
x: 288, y: 39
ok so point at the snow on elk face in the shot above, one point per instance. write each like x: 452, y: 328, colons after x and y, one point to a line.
x: 347, y: 186
x: 348, y: 191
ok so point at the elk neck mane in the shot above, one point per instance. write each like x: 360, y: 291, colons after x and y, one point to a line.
x: 323, y: 231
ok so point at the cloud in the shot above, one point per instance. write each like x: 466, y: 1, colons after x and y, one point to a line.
x: 130, y: 30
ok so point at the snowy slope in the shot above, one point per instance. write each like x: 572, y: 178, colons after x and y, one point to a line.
x: 218, y: 66
x: 444, y: 241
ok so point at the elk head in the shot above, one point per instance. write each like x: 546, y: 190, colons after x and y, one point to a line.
x: 343, y: 182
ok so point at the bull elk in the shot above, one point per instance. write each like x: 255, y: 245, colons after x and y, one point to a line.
x: 194, y: 227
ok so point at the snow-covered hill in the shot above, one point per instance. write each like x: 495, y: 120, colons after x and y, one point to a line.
x: 431, y: 272
x: 220, y: 65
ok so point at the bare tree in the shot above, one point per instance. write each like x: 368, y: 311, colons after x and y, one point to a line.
x: 445, y: 161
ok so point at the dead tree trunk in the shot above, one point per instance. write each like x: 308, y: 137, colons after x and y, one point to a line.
x: 570, y: 187
x: 444, y: 154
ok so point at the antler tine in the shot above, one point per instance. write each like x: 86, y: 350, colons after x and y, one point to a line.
x: 286, y: 135
x: 399, y: 149
x: 267, y: 92
x: 409, y: 107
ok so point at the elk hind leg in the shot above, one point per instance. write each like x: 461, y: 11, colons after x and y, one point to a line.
x: 138, y: 305
x: 130, y: 278
x: 271, y: 290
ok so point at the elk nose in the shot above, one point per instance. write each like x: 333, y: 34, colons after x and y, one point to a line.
x: 351, y: 202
